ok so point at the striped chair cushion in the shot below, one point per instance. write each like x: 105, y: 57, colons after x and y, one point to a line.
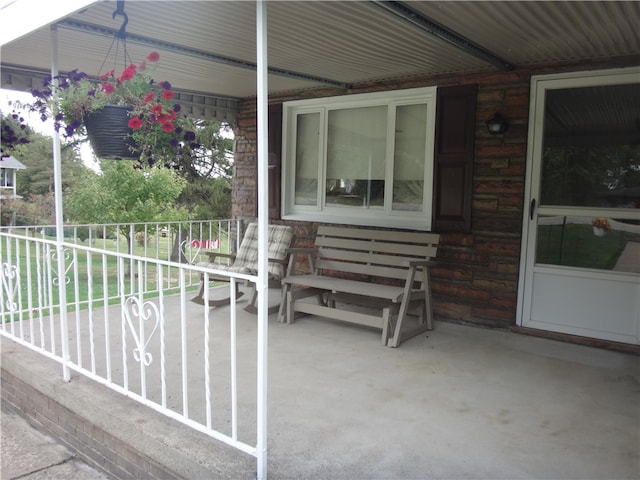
x: 246, y: 261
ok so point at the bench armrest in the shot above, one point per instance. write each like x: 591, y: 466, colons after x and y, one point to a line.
x: 422, y: 263
x: 282, y: 261
x: 307, y: 250
x: 309, y: 253
x: 213, y: 255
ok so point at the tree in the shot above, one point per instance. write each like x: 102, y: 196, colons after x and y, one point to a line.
x: 37, y: 156
x: 35, y: 183
x: 588, y: 175
x: 126, y: 193
x: 209, y: 174
x: 212, y: 158
x: 208, y: 198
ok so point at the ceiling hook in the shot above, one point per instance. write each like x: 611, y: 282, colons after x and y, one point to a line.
x: 120, y: 11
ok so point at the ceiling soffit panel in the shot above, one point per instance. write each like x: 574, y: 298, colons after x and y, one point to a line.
x: 530, y: 33
x: 218, y: 34
x: 356, y: 42
x: 349, y: 42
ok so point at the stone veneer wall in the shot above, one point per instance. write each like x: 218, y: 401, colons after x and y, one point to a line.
x: 476, y: 280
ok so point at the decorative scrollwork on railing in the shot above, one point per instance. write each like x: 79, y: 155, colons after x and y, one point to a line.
x: 190, y: 250
x: 143, y: 312
x: 68, y: 262
x: 10, y: 282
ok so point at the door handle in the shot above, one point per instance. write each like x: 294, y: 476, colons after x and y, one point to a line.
x: 532, y: 208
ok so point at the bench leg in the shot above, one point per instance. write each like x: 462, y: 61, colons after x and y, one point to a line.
x: 386, y: 324
x: 293, y: 295
x: 290, y: 311
x: 427, y: 299
x: 282, y: 311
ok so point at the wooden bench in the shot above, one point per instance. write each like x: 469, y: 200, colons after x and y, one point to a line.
x: 350, y: 268
x: 279, y: 239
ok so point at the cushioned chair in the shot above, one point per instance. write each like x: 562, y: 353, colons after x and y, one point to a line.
x: 279, y: 240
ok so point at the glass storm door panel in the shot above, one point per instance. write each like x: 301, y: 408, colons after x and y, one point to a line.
x: 581, y: 242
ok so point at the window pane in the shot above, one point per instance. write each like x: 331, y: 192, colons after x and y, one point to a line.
x: 588, y: 242
x: 591, y: 155
x: 307, y: 157
x: 409, y: 157
x: 356, y: 150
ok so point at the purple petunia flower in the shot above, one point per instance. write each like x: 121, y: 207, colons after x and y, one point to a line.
x: 189, y: 136
x: 75, y: 76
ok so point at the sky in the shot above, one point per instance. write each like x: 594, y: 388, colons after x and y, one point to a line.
x: 8, y: 96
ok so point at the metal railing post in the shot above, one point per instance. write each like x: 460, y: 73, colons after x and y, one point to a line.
x: 57, y: 180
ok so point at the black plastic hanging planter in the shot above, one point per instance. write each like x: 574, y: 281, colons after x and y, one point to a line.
x: 109, y: 133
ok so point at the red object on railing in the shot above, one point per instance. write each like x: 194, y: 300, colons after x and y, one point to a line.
x: 213, y: 244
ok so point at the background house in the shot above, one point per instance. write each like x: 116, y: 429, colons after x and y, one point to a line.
x: 8, y: 168
x: 514, y: 209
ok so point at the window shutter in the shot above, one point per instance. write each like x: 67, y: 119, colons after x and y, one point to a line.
x: 275, y: 160
x: 454, y: 153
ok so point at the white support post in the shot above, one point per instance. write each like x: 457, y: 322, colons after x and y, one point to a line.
x: 263, y: 228
x: 57, y: 191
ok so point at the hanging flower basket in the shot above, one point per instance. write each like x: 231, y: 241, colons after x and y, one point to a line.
x: 109, y: 132
x: 150, y: 129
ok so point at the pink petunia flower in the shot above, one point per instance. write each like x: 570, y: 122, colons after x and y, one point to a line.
x: 109, y: 74
x: 135, y: 123
x: 127, y: 74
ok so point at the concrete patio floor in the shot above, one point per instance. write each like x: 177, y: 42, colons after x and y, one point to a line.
x: 457, y: 402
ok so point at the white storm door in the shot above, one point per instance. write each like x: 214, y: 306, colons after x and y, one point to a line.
x: 580, y: 265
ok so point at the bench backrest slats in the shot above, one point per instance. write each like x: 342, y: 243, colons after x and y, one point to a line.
x: 377, y: 246
x: 385, y: 235
x: 362, y: 269
x: 369, y: 258
x: 375, y: 253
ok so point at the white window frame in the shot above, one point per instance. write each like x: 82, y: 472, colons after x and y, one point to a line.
x: 382, y: 217
x: 8, y: 178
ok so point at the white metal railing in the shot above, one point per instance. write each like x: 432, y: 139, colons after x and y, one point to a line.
x: 129, y: 326
x: 185, y: 241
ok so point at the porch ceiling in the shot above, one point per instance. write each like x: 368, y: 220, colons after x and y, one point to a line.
x: 208, y: 47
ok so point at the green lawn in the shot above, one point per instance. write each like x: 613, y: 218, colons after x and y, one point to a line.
x: 93, y: 265
x: 577, y: 246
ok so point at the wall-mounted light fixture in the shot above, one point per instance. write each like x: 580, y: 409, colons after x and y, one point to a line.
x: 497, y: 124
